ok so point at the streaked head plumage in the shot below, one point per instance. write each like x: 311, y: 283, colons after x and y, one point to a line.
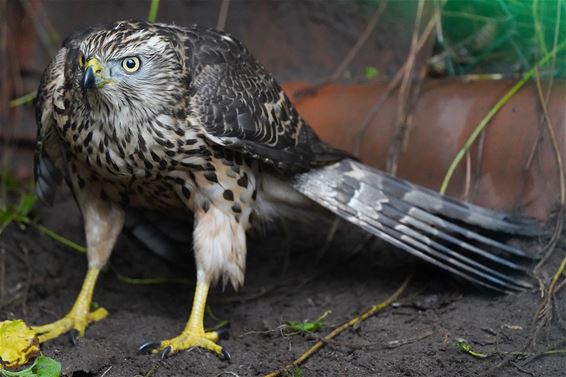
x: 129, y: 63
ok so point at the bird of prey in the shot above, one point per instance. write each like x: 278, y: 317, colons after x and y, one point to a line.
x: 184, y: 119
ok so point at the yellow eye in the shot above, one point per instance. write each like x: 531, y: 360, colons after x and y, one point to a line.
x: 131, y: 64
x: 81, y: 60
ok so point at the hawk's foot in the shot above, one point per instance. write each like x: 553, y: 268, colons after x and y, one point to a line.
x: 187, y: 340
x: 80, y: 315
x: 193, y: 335
x: 77, y: 320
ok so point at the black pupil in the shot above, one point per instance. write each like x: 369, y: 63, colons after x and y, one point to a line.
x: 130, y: 63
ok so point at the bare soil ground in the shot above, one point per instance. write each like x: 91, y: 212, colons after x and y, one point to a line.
x: 39, y: 278
x: 416, y: 337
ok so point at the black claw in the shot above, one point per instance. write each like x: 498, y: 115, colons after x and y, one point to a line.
x: 74, y: 336
x: 148, y: 346
x: 165, y: 353
x: 223, y: 333
x: 225, y: 355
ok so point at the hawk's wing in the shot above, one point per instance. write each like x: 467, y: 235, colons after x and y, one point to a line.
x: 50, y: 104
x: 49, y: 155
x: 239, y: 105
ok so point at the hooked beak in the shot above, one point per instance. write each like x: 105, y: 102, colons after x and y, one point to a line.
x: 92, y: 76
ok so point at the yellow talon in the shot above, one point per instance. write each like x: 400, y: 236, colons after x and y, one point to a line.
x: 80, y: 315
x: 19, y: 343
x: 193, y: 335
x: 74, y: 320
x: 188, y: 340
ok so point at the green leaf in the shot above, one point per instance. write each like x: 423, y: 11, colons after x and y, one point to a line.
x: 23, y: 373
x: 371, y: 72
x: 26, y: 204
x: 466, y: 347
x: 297, y: 372
x: 47, y: 367
x: 308, y: 326
x: 19, y: 213
x: 304, y: 326
x: 43, y: 366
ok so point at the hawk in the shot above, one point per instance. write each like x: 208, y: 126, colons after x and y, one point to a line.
x: 184, y: 119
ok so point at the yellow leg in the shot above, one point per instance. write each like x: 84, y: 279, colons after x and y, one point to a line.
x: 80, y: 315
x: 193, y: 335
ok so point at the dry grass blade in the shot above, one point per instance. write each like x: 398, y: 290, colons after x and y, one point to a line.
x: 26, y: 98
x: 340, y: 329
x: 41, y: 31
x: 544, y: 313
x: 404, y: 108
x: 492, y: 112
x: 360, y: 132
x: 562, y: 179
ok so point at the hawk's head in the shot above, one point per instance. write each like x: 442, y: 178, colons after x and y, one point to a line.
x: 130, y: 65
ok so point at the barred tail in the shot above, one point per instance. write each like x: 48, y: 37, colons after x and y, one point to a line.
x: 438, y: 229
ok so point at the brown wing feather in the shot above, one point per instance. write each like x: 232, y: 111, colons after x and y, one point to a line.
x: 239, y: 105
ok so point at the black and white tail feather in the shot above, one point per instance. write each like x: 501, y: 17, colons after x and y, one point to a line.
x: 438, y: 229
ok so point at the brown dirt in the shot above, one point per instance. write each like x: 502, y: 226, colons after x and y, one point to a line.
x: 42, y: 278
